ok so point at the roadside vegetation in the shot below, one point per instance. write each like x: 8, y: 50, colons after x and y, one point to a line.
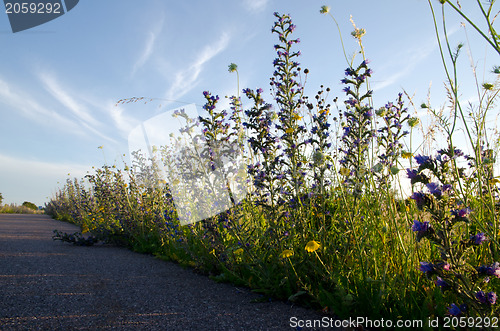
x: 26, y: 208
x: 324, y: 222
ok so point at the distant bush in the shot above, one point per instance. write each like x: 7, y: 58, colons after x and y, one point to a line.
x: 15, y: 209
x: 30, y: 205
x: 1, y: 199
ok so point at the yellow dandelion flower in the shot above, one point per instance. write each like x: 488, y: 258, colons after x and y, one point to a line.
x: 344, y: 171
x: 312, y: 246
x: 286, y: 253
x: 238, y: 251
x: 85, y: 228
x: 296, y: 117
x: 289, y: 130
x: 406, y: 155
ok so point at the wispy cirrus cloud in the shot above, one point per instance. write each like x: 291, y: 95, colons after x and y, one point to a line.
x: 410, y: 59
x: 22, y: 101
x: 185, y: 80
x: 256, y: 5
x: 149, y: 46
x: 146, y: 53
x: 79, y: 109
x: 63, y: 96
x: 123, y: 122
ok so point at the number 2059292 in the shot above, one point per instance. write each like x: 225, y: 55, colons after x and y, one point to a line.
x: 473, y: 322
x: 33, y: 8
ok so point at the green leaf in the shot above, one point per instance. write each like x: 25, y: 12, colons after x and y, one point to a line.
x: 294, y: 297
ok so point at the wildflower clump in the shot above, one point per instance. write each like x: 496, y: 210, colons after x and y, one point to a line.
x: 288, y: 95
x: 449, y: 226
x: 357, y: 127
x: 307, y: 174
x: 390, y: 139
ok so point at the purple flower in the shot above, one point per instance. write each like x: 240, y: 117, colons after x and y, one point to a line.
x: 423, y: 230
x: 442, y: 158
x: 411, y: 173
x: 352, y: 102
x: 462, y: 213
x: 441, y: 283
x: 420, y: 227
x: 481, y: 296
x: 479, y: 238
x: 446, y: 188
x: 415, y: 177
x: 454, y: 310
x: 486, y: 298
x: 350, y: 72
x: 492, y: 270
x: 426, y: 267
x: 422, y: 159
x: 434, y: 190
x: 419, y: 198
x: 364, y: 63
x: 458, y: 152
x: 492, y: 298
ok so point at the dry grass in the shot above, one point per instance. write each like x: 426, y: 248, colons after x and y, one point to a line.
x: 15, y: 209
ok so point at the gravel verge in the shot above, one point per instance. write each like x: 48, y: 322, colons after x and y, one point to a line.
x: 51, y: 285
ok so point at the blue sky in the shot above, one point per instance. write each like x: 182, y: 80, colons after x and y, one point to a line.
x: 59, y: 82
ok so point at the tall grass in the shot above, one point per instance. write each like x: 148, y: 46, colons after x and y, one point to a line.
x: 324, y: 222
x: 15, y: 209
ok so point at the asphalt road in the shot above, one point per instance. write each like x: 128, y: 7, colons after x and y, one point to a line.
x: 51, y: 285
